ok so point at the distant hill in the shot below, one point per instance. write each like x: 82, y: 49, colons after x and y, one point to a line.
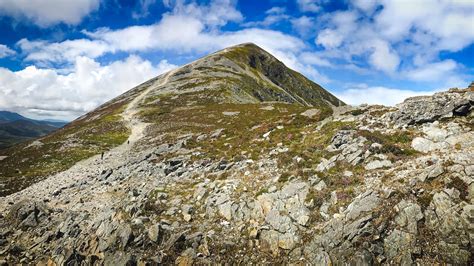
x: 15, y: 128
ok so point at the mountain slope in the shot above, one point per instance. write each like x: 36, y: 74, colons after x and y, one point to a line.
x: 15, y: 128
x: 240, y: 76
x: 6, y: 116
x: 212, y: 173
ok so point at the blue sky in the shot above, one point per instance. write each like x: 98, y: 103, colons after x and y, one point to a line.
x: 61, y: 58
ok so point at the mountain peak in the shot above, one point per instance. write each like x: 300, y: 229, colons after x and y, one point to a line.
x: 246, y: 73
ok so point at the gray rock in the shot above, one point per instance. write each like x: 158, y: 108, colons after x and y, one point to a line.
x: 27, y: 213
x: 399, y: 247
x: 310, y: 113
x: 105, y: 174
x: 342, y: 137
x: 227, y: 113
x: 124, y: 234
x: 376, y: 164
x: 279, y: 222
x: 272, y: 240
x: 325, y: 165
x: 362, y: 204
x: 154, y: 233
x: 422, y: 145
x: 422, y: 109
x: 317, y: 256
x: 217, y: 133
x: 432, y: 172
x: 225, y: 210
x: 119, y: 259
x: 320, y: 186
x: 30, y: 221
x: 269, y: 241
x: 453, y: 254
x: 446, y: 220
x: 408, y: 216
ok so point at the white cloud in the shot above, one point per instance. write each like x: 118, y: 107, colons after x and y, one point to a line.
x: 39, y: 92
x: 303, y: 25
x: 48, y: 12
x: 365, y: 5
x: 276, y: 10
x: 144, y: 6
x: 341, y: 26
x: 274, y: 15
x: 361, y: 93
x: 176, y: 33
x: 447, y: 73
x: 5, y: 51
x: 309, y: 5
x: 329, y: 38
x: 217, y: 13
x: 314, y: 59
x: 383, y: 57
x: 397, y: 36
x: 433, y: 71
x: 60, y: 52
x: 449, y: 23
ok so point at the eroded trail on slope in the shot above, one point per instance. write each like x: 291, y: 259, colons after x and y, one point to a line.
x: 81, y: 182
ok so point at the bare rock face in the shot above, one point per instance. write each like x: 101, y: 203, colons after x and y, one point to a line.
x: 422, y: 109
x: 26, y: 213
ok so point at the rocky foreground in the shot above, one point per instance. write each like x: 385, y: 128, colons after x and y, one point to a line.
x: 368, y: 200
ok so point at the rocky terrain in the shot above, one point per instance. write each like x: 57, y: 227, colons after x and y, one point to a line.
x: 236, y: 159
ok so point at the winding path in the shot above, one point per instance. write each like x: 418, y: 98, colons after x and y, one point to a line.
x: 88, y: 170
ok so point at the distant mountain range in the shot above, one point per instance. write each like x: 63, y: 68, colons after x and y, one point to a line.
x: 15, y: 128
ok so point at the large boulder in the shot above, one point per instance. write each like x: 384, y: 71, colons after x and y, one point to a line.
x: 25, y: 214
x: 422, y: 109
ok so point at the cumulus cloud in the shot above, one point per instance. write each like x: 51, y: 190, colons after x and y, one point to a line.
x: 216, y: 14
x: 329, y: 38
x: 434, y: 71
x: 82, y: 82
x: 303, y: 25
x: 5, y: 51
x: 314, y: 59
x: 48, y: 12
x: 388, y: 34
x: 274, y: 16
x: 309, y: 5
x: 188, y: 27
x: 383, y: 57
x: 175, y: 32
x: 448, y: 22
x: 360, y: 94
x: 37, y: 92
x: 60, y: 52
x: 365, y: 5
x: 447, y: 73
x: 143, y: 10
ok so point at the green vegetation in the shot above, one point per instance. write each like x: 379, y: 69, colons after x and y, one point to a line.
x: 461, y: 186
x: 252, y: 58
x: 358, y: 112
x: 396, y: 145
x: 58, y: 151
x: 201, y: 114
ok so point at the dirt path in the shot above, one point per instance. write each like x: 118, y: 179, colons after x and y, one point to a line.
x: 88, y: 170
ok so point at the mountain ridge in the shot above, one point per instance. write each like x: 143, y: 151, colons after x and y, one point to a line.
x: 223, y: 77
x: 15, y: 128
